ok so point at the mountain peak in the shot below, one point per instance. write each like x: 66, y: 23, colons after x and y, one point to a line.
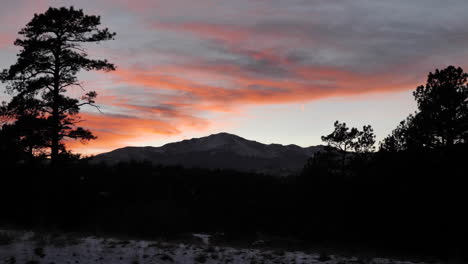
x: 215, y: 142
x: 223, y: 134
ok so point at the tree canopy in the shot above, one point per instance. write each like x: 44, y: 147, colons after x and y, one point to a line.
x: 442, y: 119
x: 50, y: 58
x: 345, y: 139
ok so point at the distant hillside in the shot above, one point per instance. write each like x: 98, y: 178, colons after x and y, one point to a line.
x: 219, y: 151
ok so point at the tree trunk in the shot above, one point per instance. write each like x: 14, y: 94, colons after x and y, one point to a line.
x: 55, y: 130
x: 55, y: 110
x: 343, y: 160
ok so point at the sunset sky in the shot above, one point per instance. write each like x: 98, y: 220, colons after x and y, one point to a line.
x: 278, y: 71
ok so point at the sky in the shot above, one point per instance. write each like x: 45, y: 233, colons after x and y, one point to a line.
x: 268, y: 70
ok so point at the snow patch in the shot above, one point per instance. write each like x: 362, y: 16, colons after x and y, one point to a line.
x: 205, y: 238
x: 28, y: 247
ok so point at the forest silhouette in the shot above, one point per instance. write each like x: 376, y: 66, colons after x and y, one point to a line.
x: 407, y: 196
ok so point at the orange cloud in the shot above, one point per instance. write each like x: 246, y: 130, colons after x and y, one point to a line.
x: 308, y: 83
x: 115, y: 131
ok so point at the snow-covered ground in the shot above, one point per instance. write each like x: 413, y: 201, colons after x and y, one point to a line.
x: 34, y: 248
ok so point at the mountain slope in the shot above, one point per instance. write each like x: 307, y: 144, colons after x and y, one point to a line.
x: 219, y: 151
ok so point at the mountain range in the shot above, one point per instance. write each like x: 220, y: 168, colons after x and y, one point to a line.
x: 219, y: 151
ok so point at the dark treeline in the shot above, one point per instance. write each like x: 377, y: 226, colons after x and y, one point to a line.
x: 145, y: 200
x: 407, y: 201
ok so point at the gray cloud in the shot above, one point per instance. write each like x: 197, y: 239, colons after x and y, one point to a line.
x: 362, y: 36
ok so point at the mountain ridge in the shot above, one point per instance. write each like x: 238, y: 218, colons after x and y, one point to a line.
x: 219, y: 151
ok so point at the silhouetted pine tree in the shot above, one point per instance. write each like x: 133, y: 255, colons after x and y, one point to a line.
x: 51, y: 56
x: 442, y: 119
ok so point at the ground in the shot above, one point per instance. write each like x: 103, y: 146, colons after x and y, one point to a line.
x: 18, y: 247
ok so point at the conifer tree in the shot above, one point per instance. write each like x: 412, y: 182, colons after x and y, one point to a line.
x: 50, y: 58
